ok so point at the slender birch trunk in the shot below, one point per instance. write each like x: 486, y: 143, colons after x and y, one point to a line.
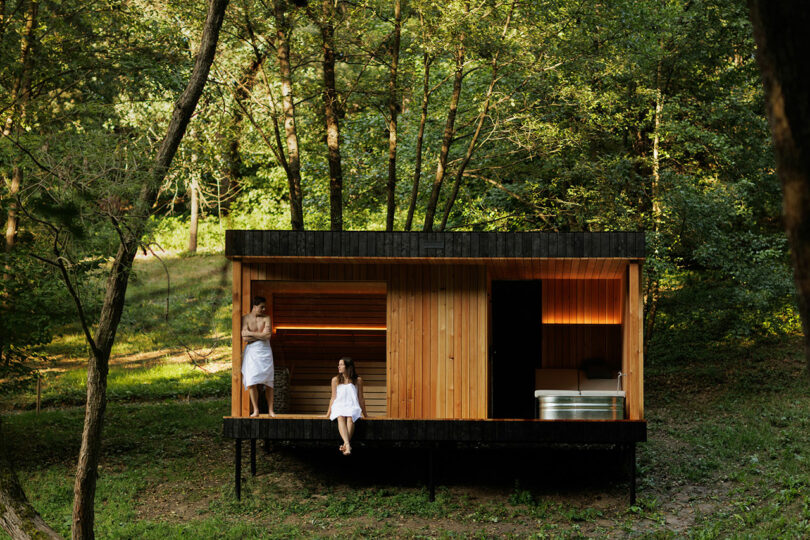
x: 285, y: 73
x: 417, y: 168
x: 393, y: 111
x: 330, y: 106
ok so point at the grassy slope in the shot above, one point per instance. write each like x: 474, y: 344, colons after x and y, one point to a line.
x: 727, y: 452
x: 154, y: 357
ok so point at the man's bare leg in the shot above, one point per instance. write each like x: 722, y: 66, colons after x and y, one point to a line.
x: 254, y: 400
x: 268, y: 392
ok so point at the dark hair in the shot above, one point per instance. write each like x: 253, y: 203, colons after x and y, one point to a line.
x: 351, y: 372
x: 258, y: 300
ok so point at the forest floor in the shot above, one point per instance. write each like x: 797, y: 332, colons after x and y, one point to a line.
x: 728, y: 450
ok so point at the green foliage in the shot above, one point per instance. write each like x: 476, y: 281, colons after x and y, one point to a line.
x: 32, y: 303
x: 619, y: 116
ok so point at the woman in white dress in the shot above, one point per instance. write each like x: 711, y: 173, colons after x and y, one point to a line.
x: 347, y: 404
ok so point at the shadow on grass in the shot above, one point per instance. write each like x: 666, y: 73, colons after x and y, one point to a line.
x: 546, y: 470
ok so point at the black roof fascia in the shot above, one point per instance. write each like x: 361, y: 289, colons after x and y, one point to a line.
x: 455, y: 245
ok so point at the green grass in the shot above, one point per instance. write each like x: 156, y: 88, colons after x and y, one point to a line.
x: 163, y: 381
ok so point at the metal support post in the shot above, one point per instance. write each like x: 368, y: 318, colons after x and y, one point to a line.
x: 252, y: 457
x: 238, y: 469
x: 430, y: 478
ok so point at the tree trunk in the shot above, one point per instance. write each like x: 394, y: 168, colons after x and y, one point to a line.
x: 330, y: 105
x: 3, y: 20
x: 285, y: 72
x: 653, y: 291
x: 447, y: 139
x: 192, y: 229
x: 780, y: 30
x: 656, y: 162
x: 89, y: 453
x: 417, y: 168
x: 480, y: 123
x: 653, y: 286
x: 20, y: 95
x: 17, y: 517
x: 11, y: 220
x: 393, y: 111
x: 233, y: 155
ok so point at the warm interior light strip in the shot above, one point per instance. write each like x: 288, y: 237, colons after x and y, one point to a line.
x: 579, y: 323
x: 331, y: 327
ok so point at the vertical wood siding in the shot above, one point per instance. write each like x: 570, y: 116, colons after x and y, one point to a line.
x: 236, y: 332
x: 632, y: 354
x: 582, y: 301
x: 437, y: 359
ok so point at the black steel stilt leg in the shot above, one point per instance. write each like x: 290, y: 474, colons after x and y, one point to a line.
x: 632, y: 458
x: 252, y: 457
x: 430, y: 479
x: 238, y: 469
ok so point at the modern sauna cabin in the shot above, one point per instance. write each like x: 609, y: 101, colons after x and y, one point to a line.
x: 455, y: 334
x: 445, y: 325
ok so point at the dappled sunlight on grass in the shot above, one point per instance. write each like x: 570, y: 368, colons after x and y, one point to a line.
x: 154, y: 356
x: 157, y: 382
x: 196, y: 328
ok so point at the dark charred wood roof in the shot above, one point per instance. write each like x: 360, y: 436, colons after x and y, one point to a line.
x: 473, y: 245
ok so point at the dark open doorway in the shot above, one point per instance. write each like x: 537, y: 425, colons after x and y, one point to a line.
x: 516, y: 346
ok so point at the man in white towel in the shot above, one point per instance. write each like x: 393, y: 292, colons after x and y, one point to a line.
x: 257, y: 360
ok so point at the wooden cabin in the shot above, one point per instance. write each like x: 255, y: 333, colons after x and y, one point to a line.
x: 451, y: 332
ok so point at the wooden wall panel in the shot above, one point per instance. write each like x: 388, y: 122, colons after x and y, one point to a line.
x: 236, y: 344
x: 632, y: 346
x: 568, y: 345
x: 434, y: 366
x: 246, y: 286
x: 581, y: 301
x: 314, y: 310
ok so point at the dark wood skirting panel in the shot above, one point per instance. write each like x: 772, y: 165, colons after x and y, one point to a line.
x: 442, y: 431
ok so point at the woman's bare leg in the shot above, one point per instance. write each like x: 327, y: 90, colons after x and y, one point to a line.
x: 268, y: 392
x: 343, y: 433
x: 349, y: 433
x: 253, y: 391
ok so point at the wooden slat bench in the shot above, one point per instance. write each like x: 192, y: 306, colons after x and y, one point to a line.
x: 310, y: 387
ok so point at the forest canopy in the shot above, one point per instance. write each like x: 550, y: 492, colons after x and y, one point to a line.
x: 401, y: 115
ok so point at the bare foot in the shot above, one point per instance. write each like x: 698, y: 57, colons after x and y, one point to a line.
x: 347, y: 450
x: 272, y: 414
x: 342, y: 448
x: 254, y: 415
